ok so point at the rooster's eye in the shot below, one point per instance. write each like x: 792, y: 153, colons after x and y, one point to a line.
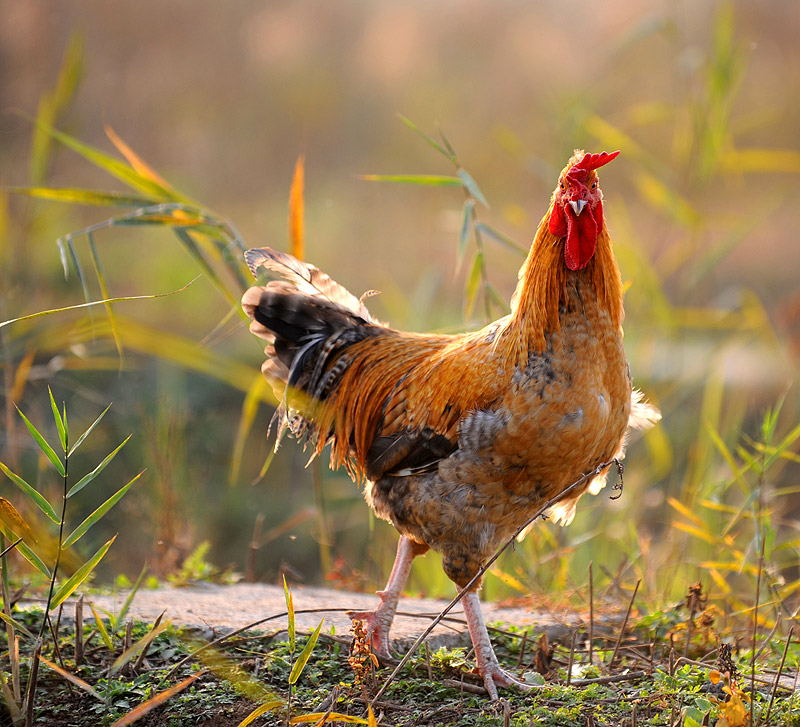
x: 561, y: 184
x: 594, y: 185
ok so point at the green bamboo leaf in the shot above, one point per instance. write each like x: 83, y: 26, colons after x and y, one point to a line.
x: 435, y: 144
x: 93, y: 197
x: 194, y: 250
x: 17, y: 625
x: 449, y: 146
x: 305, y: 654
x: 62, y: 432
x: 97, y: 470
x: 101, y: 279
x: 473, y: 282
x: 80, y: 575
x: 39, y: 499
x: 472, y: 186
x: 88, y: 431
x: 466, y: 226
x: 43, y: 445
x: 785, y: 443
x: 436, y: 180
x: 80, y: 531
x: 290, y: 609
x: 110, y: 164
x: 504, y: 240
x: 27, y: 553
x: 87, y: 296
x: 140, y: 645
x: 102, y: 630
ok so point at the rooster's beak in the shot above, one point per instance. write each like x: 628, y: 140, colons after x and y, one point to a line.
x: 577, y: 206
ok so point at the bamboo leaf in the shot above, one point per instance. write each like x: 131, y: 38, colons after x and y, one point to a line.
x: 261, y: 709
x: 305, y: 654
x: 27, y: 553
x: 466, y: 226
x: 17, y: 625
x: 15, y: 522
x: 80, y: 575
x: 473, y: 283
x: 77, y: 681
x: 123, y: 612
x: 296, y: 232
x: 435, y: 144
x: 62, y: 432
x: 139, y: 646
x: 88, y: 431
x: 139, y: 165
x: 472, y: 186
x: 109, y: 164
x: 290, y: 610
x: 102, y: 630
x: 43, y: 445
x: 101, y: 279
x: 77, y: 487
x: 499, y: 237
x: 92, y: 197
x: 252, y: 400
x: 39, y: 499
x: 79, y: 532
x: 435, y: 180
x: 138, y: 712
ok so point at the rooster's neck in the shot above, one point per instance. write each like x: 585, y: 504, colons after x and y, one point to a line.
x: 542, y: 289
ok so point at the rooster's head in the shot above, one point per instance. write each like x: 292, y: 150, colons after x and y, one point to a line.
x: 577, y: 211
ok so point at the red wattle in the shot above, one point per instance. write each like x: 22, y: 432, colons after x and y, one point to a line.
x: 557, y: 225
x: 581, y: 238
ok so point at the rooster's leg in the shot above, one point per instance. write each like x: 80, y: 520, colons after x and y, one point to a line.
x: 379, y: 621
x: 488, y: 666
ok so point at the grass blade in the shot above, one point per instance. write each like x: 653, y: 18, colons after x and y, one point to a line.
x: 261, y: 709
x: 80, y: 575
x: 139, y: 646
x: 88, y: 431
x: 138, y: 712
x: 92, y: 197
x: 38, y: 498
x: 102, y: 630
x: 79, y: 532
x: 435, y: 144
x: 93, y: 303
x: 78, y: 486
x: 77, y: 681
x: 290, y: 609
x: 43, y: 445
x: 123, y: 612
x: 435, y: 180
x: 252, y: 401
x: 320, y: 718
x: 62, y: 432
x: 305, y: 654
x: 139, y: 165
x: 473, y: 283
x: 472, y: 186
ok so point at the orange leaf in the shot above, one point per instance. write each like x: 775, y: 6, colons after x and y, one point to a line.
x: 139, y: 165
x: 296, y: 209
x: 150, y: 704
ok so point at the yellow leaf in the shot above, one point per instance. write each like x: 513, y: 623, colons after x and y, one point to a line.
x: 139, y: 165
x: 140, y: 711
x: 15, y: 522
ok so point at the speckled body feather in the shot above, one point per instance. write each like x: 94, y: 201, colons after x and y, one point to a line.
x: 460, y: 439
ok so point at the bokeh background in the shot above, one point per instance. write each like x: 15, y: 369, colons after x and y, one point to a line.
x: 703, y: 99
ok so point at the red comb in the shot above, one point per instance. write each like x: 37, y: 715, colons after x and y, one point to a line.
x: 593, y: 161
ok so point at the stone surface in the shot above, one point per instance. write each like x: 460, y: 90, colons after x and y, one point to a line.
x: 216, y: 609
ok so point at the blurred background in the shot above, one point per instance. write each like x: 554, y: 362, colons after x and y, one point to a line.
x: 703, y: 99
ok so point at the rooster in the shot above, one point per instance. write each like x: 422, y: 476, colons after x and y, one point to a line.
x: 460, y: 439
